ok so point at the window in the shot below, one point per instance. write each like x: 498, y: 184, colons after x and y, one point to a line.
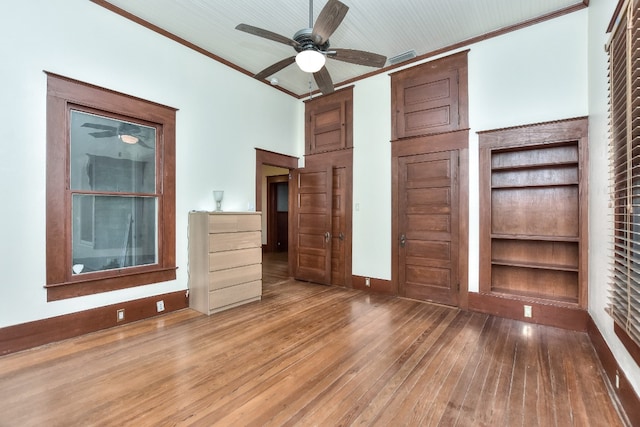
x: 110, y: 190
x: 624, y: 149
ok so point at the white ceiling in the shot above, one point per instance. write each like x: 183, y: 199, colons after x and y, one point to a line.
x: 386, y: 27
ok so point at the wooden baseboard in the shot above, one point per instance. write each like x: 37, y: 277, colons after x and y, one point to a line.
x: 32, y: 334
x: 375, y: 285
x: 574, y: 319
x: 625, y: 396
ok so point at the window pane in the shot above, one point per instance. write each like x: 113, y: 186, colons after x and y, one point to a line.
x: 111, y: 155
x: 113, y: 232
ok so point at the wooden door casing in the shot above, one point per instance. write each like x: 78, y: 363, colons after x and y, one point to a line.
x: 428, y: 206
x: 312, y: 217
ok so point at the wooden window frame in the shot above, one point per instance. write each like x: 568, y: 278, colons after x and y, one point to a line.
x: 624, y: 173
x: 62, y: 94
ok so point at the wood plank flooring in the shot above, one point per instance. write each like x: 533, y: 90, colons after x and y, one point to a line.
x: 311, y: 355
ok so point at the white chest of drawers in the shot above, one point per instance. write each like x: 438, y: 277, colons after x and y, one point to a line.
x: 225, y: 260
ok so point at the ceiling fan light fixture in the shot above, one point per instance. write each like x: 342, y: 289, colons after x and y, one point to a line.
x: 128, y: 139
x: 310, y: 61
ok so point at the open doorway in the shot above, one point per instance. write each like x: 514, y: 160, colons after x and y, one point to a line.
x: 272, y: 192
x: 278, y: 213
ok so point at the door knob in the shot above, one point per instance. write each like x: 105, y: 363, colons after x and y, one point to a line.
x: 341, y: 236
x: 403, y: 240
x: 327, y: 236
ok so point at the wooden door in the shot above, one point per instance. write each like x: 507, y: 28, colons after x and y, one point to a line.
x: 311, y: 231
x: 339, y: 227
x: 328, y: 122
x: 430, y: 98
x: 428, y: 227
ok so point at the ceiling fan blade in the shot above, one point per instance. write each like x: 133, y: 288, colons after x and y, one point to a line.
x: 323, y: 80
x: 267, y: 34
x: 129, y: 129
x: 359, y: 57
x: 98, y: 126
x: 275, y: 68
x: 329, y: 19
x: 142, y: 143
x: 105, y: 134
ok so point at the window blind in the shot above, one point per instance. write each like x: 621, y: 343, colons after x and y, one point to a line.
x: 624, y: 167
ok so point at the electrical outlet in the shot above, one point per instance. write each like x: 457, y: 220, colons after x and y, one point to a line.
x: 160, y: 305
x: 120, y: 315
x: 527, y: 311
x: 367, y: 282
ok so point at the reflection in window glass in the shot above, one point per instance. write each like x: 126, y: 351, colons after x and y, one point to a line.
x: 114, y: 202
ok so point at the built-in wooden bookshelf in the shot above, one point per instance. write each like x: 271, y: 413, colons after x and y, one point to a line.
x: 534, y: 212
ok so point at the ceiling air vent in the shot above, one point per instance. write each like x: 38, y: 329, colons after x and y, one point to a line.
x: 405, y: 56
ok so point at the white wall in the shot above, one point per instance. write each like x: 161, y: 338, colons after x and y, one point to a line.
x: 223, y: 115
x: 600, y: 236
x: 536, y: 74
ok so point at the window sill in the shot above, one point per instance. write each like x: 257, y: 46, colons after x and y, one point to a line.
x: 120, y: 280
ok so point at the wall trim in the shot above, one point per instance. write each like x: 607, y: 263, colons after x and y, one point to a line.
x: 45, y: 331
x: 623, y: 396
x: 560, y: 316
x: 380, y: 286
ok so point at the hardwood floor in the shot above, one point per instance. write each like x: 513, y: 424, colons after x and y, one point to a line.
x: 311, y: 355
x: 275, y: 267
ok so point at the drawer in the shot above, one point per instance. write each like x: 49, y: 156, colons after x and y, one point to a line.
x: 232, y: 259
x: 231, y: 223
x: 232, y: 241
x: 234, y: 276
x: 235, y: 295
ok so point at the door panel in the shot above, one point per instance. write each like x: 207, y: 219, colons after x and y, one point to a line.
x: 312, y: 224
x: 338, y: 229
x: 428, y: 104
x: 282, y: 233
x: 428, y: 253
x: 329, y: 122
x: 431, y: 98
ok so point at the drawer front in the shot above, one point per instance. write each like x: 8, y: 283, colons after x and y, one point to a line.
x: 231, y: 223
x: 234, y: 276
x: 235, y: 294
x: 232, y: 259
x: 233, y: 241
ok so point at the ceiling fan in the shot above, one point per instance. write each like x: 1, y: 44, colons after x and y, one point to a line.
x: 312, y: 46
x: 126, y: 132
